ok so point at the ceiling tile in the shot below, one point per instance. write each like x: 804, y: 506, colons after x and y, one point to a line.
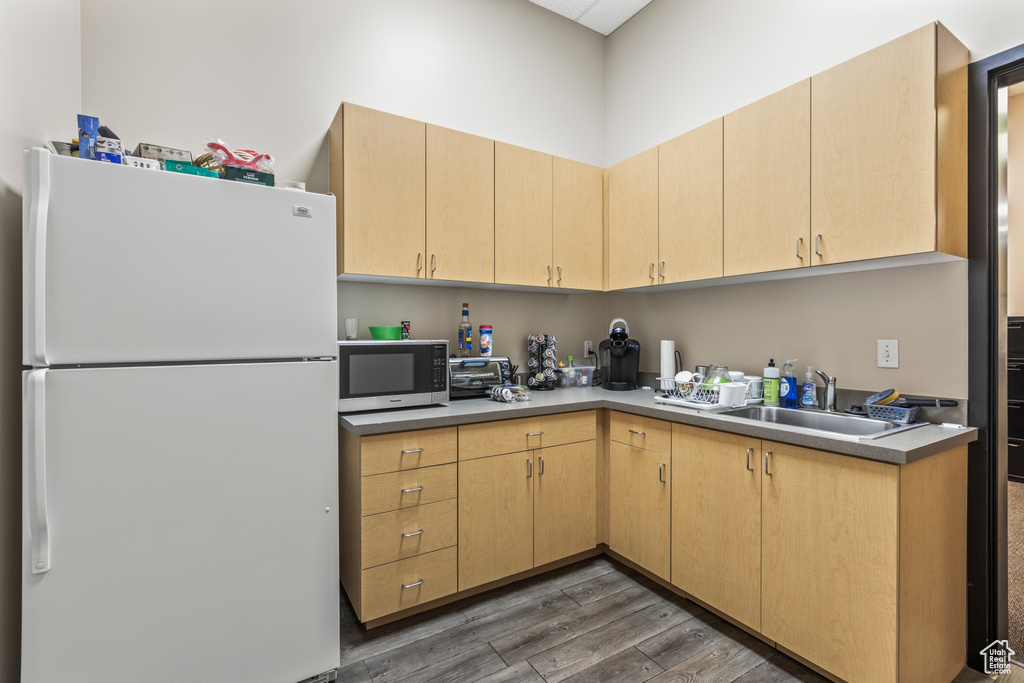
x: 603, y: 16
x: 567, y: 8
x: 608, y: 15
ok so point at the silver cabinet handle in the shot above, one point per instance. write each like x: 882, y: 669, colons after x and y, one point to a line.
x: 816, y: 250
x: 542, y: 466
x: 529, y: 468
x: 559, y: 273
x: 549, y: 275
x: 799, y: 241
x: 412, y: 534
x: 1013, y: 445
x: 661, y: 473
x: 433, y: 264
x: 415, y: 450
x: 419, y: 261
x: 413, y: 585
x: 749, y: 452
x: 650, y: 272
x: 418, y: 488
x: 536, y: 434
x: 766, y: 456
x: 633, y: 431
x: 661, y: 270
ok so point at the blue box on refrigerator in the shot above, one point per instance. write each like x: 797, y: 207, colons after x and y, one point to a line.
x: 88, y: 132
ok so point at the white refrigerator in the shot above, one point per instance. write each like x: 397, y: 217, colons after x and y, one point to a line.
x: 180, y: 514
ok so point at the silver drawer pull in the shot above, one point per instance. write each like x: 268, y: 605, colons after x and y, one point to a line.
x: 415, y: 450
x: 413, y: 585
x: 536, y: 434
x: 633, y: 431
x: 417, y: 533
x: 418, y: 488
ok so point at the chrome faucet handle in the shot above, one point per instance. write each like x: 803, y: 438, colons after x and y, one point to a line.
x: 830, y: 392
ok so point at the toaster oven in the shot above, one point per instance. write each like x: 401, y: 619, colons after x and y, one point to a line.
x: 471, y: 377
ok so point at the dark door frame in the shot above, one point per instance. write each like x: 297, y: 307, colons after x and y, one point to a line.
x: 987, y: 614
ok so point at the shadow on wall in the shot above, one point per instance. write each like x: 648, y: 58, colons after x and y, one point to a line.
x: 10, y: 433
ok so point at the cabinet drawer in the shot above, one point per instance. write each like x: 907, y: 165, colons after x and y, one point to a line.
x: 642, y: 432
x: 511, y: 436
x: 397, y: 535
x: 397, y: 490
x: 407, y: 450
x: 407, y: 583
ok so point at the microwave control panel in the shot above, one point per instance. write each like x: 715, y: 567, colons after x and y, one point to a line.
x: 439, y: 369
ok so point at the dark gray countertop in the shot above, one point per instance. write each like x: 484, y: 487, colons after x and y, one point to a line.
x: 901, y: 448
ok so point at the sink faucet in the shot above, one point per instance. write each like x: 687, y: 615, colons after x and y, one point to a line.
x: 830, y: 392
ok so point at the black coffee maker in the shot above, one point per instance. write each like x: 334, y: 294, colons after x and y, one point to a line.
x: 620, y: 358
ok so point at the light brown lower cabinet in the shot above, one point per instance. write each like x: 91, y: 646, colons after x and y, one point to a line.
x: 639, y: 505
x: 716, y: 520
x: 864, y: 563
x: 854, y: 565
x: 526, y: 509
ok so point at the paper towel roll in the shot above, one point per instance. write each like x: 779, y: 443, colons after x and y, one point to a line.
x: 668, y: 364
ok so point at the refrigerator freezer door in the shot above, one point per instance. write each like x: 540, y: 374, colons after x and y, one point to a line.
x: 126, y: 265
x: 193, y: 525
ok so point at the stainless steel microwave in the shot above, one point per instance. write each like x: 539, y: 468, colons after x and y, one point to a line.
x: 391, y: 374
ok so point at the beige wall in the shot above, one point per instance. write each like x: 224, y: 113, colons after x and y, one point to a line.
x: 1015, y: 207
x: 507, y: 70
x: 830, y: 322
x: 39, y: 98
x: 434, y: 313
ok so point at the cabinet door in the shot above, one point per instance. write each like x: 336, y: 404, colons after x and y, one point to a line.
x: 578, y: 224
x: 565, y: 502
x: 639, y: 501
x: 522, y: 216
x: 378, y: 176
x: 829, y: 566
x: 495, y: 518
x: 873, y: 148
x: 716, y: 520
x: 633, y: 221
x: 690, y: 201
x: 767, y: 180
x: 460, y: 206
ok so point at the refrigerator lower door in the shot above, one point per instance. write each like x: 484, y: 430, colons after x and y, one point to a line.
x: 127, y: 265
x: 180, y: 524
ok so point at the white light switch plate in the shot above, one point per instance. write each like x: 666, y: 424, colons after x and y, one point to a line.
x: 888, y: 353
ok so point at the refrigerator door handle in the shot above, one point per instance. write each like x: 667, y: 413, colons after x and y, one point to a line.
x: 37, y: 168
x: 35, y: 470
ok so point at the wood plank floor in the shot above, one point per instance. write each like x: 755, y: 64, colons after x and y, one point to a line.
x: 595, y: 621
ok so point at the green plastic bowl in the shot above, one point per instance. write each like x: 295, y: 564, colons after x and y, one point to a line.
x: 386, y: 332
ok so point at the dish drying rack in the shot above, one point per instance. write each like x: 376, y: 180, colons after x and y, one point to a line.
x: 702, y: 397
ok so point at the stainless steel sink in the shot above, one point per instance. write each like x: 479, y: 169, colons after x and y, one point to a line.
x: 836, y: 425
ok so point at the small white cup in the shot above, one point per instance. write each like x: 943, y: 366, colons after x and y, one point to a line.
x: 732, y: 394
x: 351, y: 328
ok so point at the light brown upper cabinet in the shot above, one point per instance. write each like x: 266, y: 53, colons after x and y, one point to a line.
x: 767, y: 181
x: 889, y: 151
x: 460, y: 206
x: 633, y: 221
x: 378, y: 176
x: 522, y: 216
x: 690, y: 205
x: 577, y: 224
